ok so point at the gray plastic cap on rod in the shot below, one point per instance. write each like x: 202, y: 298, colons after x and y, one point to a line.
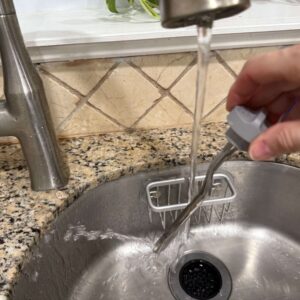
x: 245, y: 126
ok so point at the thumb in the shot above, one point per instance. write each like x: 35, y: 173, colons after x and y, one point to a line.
x: 278, y: 139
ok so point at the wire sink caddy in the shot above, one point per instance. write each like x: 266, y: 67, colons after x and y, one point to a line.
x: 168, y: 197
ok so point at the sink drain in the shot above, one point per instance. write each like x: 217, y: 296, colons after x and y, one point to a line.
x: 200, y: 279
x: 201, y: 276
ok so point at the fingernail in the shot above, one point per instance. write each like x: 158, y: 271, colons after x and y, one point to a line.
x: 260, y: 151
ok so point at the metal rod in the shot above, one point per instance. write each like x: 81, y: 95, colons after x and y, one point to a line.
x: 168, y: 235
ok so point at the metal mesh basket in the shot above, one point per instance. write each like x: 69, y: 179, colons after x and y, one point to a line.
x: 169, y: 197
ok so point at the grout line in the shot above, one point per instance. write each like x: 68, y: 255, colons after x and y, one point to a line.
x: 161, y: 89
x: 223, y: 62
x: 156, y: 102
x: 166, y: 91
x: 102, y: 80
x: 105, y: 114
x: 181, y: 75
x: 61, y: 83
x: 171, y: 62
x: 187, y: 69
x: 215, y: 108
x: 180, y: 104
x: 84, y: 100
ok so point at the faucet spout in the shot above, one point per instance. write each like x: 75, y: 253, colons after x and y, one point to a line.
x: 25, y: 112
x: 180, y: 13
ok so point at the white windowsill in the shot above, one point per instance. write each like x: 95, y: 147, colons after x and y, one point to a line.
x: 93, y: 32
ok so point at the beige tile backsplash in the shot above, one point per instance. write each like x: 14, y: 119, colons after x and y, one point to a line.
x: 217, y: 85
x: 236, y: 58
x: 82, y: 75
x: 164, y: 69
x: 61, y: 101
x: 106, y: 95
x: 166, y: 113
x: 86, y: 121
x: 125, y: 95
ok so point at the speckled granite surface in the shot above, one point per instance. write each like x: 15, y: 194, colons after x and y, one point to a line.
x: 24, y: 214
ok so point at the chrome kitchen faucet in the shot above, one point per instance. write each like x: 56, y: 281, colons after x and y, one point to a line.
x: 25, y: 113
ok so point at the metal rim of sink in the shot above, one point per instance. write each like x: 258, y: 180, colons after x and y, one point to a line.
x: 174, y: 275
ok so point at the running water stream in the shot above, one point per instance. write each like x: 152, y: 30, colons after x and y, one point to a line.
x: 204, y: 41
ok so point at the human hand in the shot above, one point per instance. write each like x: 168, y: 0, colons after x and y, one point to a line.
x: 272, y: 81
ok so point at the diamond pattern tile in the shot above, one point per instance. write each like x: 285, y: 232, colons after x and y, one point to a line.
x: 88, y: 121
x: 81, y: 75
x: 236, y: 58
x: 166, y: 113
x: 218, y: 115
x: 61, y: 101
x: 125, y: 95
x: 164, y: 69
x: 218, y: 83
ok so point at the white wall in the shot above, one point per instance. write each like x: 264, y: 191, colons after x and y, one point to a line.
x: 32, y: 6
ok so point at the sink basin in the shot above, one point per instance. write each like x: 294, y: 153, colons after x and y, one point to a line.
x: 101, y: 246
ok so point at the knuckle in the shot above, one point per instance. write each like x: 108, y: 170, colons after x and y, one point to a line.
x: 285, y: 139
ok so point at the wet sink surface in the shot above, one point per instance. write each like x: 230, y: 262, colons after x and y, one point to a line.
x: 101, y: 247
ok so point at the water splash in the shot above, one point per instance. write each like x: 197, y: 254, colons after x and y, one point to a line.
x: 76, y: 232
x: 128, y: 267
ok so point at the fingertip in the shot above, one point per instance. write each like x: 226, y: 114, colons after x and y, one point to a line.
x: 260, y: 150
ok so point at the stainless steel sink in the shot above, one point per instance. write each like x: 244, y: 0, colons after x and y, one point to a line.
x: 101, y: 247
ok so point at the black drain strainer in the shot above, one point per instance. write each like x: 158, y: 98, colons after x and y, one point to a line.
x: 200, y: 276
x: 200, y: 279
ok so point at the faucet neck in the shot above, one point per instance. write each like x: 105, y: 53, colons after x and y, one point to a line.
x: 25, y: 112
x: 7, y: 7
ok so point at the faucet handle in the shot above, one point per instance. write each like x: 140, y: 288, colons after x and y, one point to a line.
x: 181, y: 13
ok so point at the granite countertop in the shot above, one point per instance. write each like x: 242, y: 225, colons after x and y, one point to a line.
x: 25, y: 215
